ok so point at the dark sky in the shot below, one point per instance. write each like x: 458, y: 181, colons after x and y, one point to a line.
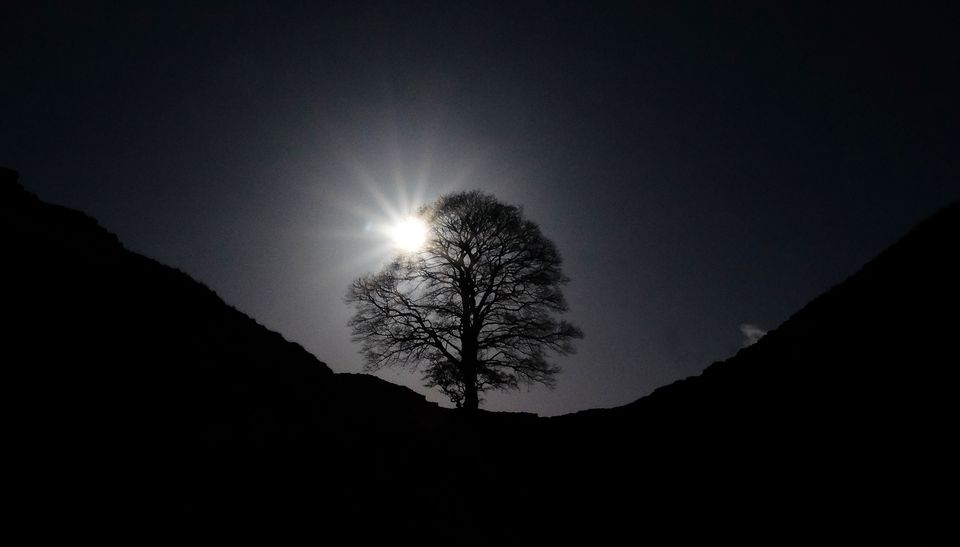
x: 700, y: 169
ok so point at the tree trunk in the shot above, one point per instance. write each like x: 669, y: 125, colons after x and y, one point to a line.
x: 471, y: 400
x: 469, y: 350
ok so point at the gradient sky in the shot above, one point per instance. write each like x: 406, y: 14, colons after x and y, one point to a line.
x: 701, y: 170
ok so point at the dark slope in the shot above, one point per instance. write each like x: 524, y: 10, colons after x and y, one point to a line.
x: 136, y: 391
x: 844, y: 415
x: 130, y: 381
x: 885, y: 335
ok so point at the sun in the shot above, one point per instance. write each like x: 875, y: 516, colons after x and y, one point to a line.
x: 409, y: 234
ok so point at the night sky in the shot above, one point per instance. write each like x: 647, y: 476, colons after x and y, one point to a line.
x: 705, y: 172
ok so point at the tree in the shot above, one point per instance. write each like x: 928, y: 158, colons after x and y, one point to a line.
x: 473, y: 308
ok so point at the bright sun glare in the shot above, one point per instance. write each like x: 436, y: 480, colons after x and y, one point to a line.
x: 409, y: 234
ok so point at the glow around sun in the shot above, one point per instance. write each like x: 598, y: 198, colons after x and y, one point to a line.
x: 409, y: 234
x: 393, y: 222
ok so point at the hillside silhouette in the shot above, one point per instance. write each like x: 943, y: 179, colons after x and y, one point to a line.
x: 137, y: 391
x: 837, y: 419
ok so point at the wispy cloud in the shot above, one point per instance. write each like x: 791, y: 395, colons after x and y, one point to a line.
x: 751, y: 333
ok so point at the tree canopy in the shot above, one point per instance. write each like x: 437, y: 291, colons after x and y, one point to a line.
x: 474, y: 308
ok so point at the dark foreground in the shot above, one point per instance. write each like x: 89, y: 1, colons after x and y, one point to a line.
x: 138, y: 398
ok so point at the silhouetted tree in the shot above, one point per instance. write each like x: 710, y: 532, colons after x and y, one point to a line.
x: 473, y: 308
